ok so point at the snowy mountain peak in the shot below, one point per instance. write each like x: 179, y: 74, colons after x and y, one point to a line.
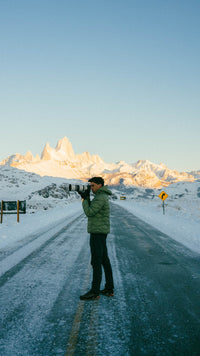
x: 162, y: 165
x: 145, y: 165
x: 28, y: 156
x: 62, y: 152
x: 64, y: 147
x: 47, y: 152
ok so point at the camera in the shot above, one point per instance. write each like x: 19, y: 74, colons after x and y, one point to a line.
x: 79, y: 188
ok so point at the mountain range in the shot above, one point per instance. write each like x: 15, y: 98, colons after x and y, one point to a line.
x: 61, y: 161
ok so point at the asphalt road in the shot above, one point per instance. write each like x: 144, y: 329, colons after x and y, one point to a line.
x: 155, y: 310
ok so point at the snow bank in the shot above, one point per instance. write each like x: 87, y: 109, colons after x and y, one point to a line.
x: 183, y: 226
x: 31, y: 224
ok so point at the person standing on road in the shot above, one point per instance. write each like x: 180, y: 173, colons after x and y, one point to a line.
x: 98, y: 213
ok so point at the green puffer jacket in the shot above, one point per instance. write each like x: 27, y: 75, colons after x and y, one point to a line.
x: 98, y: 212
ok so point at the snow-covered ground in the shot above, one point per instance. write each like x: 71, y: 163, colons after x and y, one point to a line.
x: 181, y: 220
x: 182, y: 227
x: 11, y: 231
x: 49, y: 202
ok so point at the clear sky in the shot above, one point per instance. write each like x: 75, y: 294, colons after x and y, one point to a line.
x: 119, y: 78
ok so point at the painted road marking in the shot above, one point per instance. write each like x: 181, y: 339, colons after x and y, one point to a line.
x: 71, y: 348
x: 92, y: 341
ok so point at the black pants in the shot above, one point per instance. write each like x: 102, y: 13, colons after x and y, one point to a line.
x: 99, y: 258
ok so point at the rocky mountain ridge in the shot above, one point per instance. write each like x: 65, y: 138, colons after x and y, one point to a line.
x: 63, y: 162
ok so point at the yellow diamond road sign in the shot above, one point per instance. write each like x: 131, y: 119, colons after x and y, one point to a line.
x: 163, y: 195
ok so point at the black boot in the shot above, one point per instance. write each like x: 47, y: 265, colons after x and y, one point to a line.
x: 90, y: 296
x: 107, y: 292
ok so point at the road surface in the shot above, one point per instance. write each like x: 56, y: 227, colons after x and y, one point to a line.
x: 155, y: 310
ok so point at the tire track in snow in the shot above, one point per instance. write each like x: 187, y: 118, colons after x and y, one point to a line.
x: 28, y: 298
x: 13, y: 263
x: 9, y: 250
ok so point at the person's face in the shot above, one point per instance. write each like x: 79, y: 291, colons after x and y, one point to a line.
x: 95, y: 187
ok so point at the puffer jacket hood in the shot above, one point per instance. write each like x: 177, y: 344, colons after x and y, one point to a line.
x: 104, y: 189
x: 98, y: 212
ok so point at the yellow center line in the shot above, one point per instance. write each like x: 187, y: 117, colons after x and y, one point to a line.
x: 75, y: 330
x: 71, y: 348
x: 92, y: 336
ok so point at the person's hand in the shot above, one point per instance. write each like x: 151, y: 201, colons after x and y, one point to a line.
x: 86, y: 194
x: 83, y: 194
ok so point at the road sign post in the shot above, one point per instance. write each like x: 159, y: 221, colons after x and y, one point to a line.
x: 163, y: 196
x: 163, y: 207
x: 13, y: 207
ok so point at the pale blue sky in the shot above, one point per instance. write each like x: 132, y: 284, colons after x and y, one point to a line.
x: 119, y: 78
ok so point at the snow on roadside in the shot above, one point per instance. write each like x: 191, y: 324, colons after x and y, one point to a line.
x: 180, y: 225
x: 177, y: 224
x: 47, y: 202
x: 11, y: 231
